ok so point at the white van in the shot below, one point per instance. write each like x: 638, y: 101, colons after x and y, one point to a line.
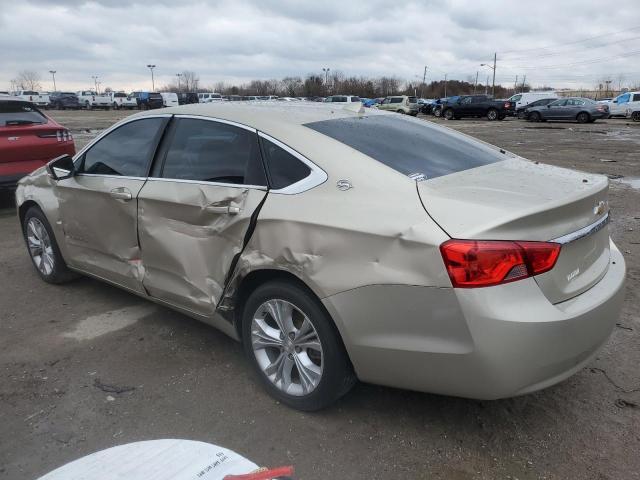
x: 169, y: 99
x: 209, y: 97
x: 525, y: 98
x: 619, y: 106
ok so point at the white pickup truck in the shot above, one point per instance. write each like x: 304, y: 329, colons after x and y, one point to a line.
x: 122, y: 100
x: 40, y: 99
x: 90, y: 99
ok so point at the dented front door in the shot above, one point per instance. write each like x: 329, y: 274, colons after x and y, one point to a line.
x: 196, y: 209
x: 189, y: 235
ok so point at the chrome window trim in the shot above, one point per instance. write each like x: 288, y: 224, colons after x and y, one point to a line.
x: 583, y: 232
x: 109, y: 176
x: 316, y: 177
x: 202, y: 182
x: 215, y: 119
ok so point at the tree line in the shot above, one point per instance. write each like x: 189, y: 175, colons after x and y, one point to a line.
x: 319, y: 85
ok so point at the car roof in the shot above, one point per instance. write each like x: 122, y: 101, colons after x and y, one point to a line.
x: 267, y: 117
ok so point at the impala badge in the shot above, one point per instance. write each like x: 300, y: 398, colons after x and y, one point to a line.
x: 573, y: 274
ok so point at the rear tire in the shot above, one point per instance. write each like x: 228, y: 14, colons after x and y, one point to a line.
x: 437, y: 112
x: 583, y: 117
x: 43, y: 248
x: 522, y: 115
x: 635, y: 116
x: 400, y: 112
x: 492, y: 114
x: 448, y: 114
x: 535, y: 117
x: 299, y: 357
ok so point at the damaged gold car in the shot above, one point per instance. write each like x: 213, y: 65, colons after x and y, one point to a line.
x: 338, y: 245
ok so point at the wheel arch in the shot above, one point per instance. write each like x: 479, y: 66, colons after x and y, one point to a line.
x: 584, y: 111
x: 254, y: 279
x: 24, y: 208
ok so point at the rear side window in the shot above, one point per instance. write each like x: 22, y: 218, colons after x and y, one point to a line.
x: 208, y: 151
x: 284, y: 169
x: 636, y: 97
x: 408, y: 146
x: 126, y: 151
x: 355, y: 99
x: 19, y: 113
x: 396, y: 100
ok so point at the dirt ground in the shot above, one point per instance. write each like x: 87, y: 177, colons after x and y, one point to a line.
x: 86, y: 366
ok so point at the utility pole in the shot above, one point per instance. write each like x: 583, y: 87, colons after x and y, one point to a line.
x: 424, y: 78
x: 326, y: 79
x: 486, y: 87
x: 523, y: 80
x: 445, y: 85
x: 95, y: 82
x: 493, y: 87
x: 515, y: 85
x: 53, y: 74
x: 608, y: 82
x: 178, y: 75
x: 153, y: 85
x: 475, y: 84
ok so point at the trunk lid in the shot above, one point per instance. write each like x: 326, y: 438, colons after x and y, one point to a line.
x: 520, y: 200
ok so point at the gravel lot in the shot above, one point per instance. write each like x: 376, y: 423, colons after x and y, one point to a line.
x: 86, y: 366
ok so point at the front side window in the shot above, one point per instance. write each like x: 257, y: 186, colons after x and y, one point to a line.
x: 558, y: 103
x: 466, y: 101
x: 208, y: 151
x: 396, y: 100
x: 126, y: 151
x: 636, y: 97
x: 284, y: 169
x: 515, y: 98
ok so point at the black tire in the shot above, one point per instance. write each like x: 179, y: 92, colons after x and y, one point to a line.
x: 59, y: 272
x: 583, y: 117
x: 337, y: 373
x: 522, y: 115
x: 448, y: 114
x: 535, y: 117
x: 400, y: 112
x: 437, y: 112
x: 492, y: 114
x: 635, y: 116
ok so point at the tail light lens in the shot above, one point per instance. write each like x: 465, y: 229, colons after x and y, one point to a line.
x: 507, y: 105
x: 483, y: 263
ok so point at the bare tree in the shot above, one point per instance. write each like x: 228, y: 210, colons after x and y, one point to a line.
x: 28, y: 80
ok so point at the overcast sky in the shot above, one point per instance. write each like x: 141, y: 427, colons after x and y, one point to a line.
x: 235, y: 41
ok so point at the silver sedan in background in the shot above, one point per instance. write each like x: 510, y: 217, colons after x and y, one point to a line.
x: 578, y: 109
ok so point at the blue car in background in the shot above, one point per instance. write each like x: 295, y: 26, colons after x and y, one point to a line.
x: 439, y: 103
x: 368, y: 102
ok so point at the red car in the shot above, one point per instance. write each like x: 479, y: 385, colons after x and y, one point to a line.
x: 28, y: 140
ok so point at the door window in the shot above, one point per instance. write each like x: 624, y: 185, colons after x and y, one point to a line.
x: 466, y: 100
x: 284, y: 168
x: 396, y: 100
x: 126, y: 151
x: 209, y: 151
x: 636, y: 97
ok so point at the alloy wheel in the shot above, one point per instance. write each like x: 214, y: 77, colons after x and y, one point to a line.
x: 40, y: 247
x: 287, y: 347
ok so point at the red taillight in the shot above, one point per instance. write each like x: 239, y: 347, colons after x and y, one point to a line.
x: 482, y: 263
x: 507, y: 105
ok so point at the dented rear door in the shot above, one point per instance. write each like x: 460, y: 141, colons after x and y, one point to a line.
x: 195, y: 211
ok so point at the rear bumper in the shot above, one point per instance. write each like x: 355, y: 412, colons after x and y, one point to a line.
x: 483, y: 343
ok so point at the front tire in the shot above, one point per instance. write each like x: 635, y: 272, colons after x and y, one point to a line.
x: 492, y: 114
x: 43, y: 248
x: 534, y: 117
x: 294, y: 347
x: 448, y: 114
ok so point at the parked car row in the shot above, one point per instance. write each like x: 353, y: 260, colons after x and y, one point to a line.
x: 89, y: 99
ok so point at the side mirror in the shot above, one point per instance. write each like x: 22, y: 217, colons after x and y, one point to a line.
x: 61, y: 167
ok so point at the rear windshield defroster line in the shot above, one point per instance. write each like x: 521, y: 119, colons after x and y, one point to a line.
x: 408, y: 146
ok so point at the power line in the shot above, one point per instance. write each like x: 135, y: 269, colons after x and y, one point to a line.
x: 582, y: 62
x: 567, y: 52
x: 571, y: 43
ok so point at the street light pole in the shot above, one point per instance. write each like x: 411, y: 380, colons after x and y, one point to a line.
x: 153, y: 85
x: 95, y: 82
x: 493, y: 88
x: 475, y: 83
x: 178, y: 75
x: 445, y: 85
x: 53, y: 74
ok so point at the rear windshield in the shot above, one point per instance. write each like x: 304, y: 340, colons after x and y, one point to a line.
x: 155, y: 95
x: 30, y: 92
x: 413, y: 100
x: 409, y: 146
x: 19, y: 113
x: 119, y: 95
